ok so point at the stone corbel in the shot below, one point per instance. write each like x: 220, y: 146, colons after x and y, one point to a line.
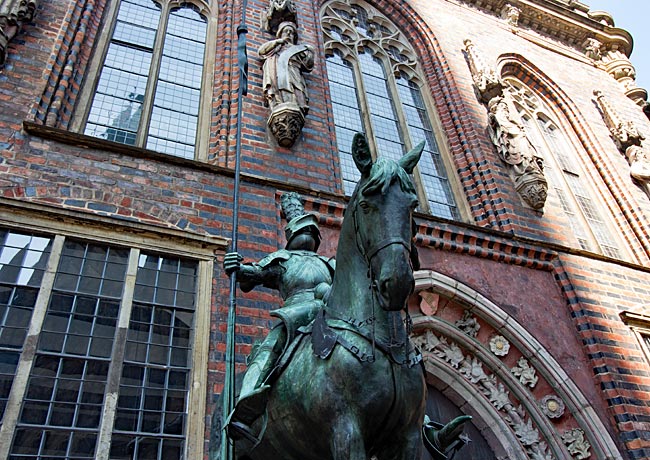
x: 628, y: 139
x: 13, y: 14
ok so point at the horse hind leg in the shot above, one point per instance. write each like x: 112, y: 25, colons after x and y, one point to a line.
x: 347, y: 442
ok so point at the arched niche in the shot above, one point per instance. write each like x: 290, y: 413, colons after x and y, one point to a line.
x: 522, y: 402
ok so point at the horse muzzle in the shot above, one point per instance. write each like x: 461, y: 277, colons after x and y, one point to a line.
x: 393, y: 290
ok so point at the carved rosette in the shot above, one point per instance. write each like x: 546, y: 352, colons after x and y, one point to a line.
x: 499, y: 345
x: 552, y: 406
x: 286, y: 123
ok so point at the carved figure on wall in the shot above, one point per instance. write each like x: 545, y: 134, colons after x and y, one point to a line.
x: 334, y: 388
x: 628, y: 139
x: 592, y: 48
x: 283, y: 84
x: 515, y: 149
x: 13, y: 14
x: 279, y: 11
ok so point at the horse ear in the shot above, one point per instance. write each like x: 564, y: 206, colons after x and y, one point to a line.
x: 411, y: 159
x: 361, y: 153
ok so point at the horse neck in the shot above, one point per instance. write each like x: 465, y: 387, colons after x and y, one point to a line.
x: 350, y: 296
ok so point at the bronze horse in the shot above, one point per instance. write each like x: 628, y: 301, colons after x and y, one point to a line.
x: 355, y: 390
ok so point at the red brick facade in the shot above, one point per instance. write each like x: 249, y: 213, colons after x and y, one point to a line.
x: 526, y: 262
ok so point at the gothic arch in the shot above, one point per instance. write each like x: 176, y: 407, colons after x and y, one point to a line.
x: 515, y: 65
x: 470, y: 369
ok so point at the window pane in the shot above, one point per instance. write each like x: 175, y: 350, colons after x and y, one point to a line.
x: 23, y: 259
x: 176, y: 103
x: 154, y: 385
x: 117, y: 106
x: 68, y: 378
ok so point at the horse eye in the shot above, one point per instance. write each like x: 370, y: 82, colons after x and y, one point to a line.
x: 364, y: 205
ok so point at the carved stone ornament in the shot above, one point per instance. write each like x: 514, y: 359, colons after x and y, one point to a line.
x: 576, y: 443
x: 486, y: 81
x: 13, y: 14
x: 525, y: 372
x: 499, y: 345
x: 517, y: 151
x: 286, y: 123
x: 511, y: 14
x: 618, y: 65
x: 592, y: 48
x: 468, y: 324
x: 628, y: 139
x: 284, y: 87
x: 488, y: 385
x: 552, y: 406
x: 278, y: 12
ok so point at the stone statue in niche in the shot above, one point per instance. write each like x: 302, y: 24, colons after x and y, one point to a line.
x: 515, y: 149
x: 285, y: 90
x: 13, y: 14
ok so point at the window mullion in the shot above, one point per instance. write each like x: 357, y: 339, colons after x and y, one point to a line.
x: 117, y: 361
x: 154, y: 71
x: 365, y: 108
x: 19, y: 386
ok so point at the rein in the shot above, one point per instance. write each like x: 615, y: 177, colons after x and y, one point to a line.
x: 368, y: 256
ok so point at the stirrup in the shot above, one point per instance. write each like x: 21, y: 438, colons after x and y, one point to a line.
x: 250, y: 407
x: 237, y: 430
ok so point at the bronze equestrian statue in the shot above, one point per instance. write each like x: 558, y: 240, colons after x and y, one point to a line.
x: 349, y: 384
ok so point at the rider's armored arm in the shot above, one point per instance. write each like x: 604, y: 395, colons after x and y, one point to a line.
x: 252, y: 275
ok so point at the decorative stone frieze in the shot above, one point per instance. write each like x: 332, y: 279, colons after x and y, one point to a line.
x: 468, y: 324
x: 499, y: 345
x: 576, y: 443
x: 552, y: 406
x: 525, y: 372
x: 13, y: 14
x: 628, y: 139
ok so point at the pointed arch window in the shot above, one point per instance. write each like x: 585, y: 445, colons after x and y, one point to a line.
x: 148, y: 92
x: 376, y: 88
x: 567, y: 180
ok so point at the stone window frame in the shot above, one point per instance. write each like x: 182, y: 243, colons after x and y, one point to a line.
x: 639, y: 324
x: 398, y: 59
x: 59, y: 224
x: 601, y: 240
x: 207, y: 10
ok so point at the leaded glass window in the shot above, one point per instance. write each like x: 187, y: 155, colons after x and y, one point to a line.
x: 63, y: 404
x: 567, y: 181
x: 376, y: 88
x: 148, y: 92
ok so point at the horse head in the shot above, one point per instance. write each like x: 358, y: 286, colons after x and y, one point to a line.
x: 382, y: 208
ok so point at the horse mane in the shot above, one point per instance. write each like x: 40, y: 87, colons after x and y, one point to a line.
x: 382, y: 174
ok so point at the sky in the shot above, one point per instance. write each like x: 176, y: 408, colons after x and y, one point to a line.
x: 633, y: 16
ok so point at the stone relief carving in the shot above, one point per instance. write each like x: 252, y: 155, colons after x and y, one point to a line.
x: 628, y: 139
x: 486, y: 81
x: 13, y: 14
x: 499, y: 345
x: 468, y: 324
x: 283, y: 84
x: 472, y: 370
x: 552, y: 406
x: 526, y: 167
x: 516, y: 150
x: 525, y: 372
x: 576, y: 443
x: 592, y: 49
x: 511, y: 14
x: 278, y: 12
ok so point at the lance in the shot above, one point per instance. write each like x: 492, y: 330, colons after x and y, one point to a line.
x: 228, y: 394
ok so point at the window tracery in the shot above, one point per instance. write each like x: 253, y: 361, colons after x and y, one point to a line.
x: 376, y: 88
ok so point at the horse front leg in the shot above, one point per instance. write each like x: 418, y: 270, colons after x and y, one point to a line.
x: 347, y: 442
x: 407, y: 446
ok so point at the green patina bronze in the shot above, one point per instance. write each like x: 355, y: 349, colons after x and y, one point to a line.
x: 338, y: 378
